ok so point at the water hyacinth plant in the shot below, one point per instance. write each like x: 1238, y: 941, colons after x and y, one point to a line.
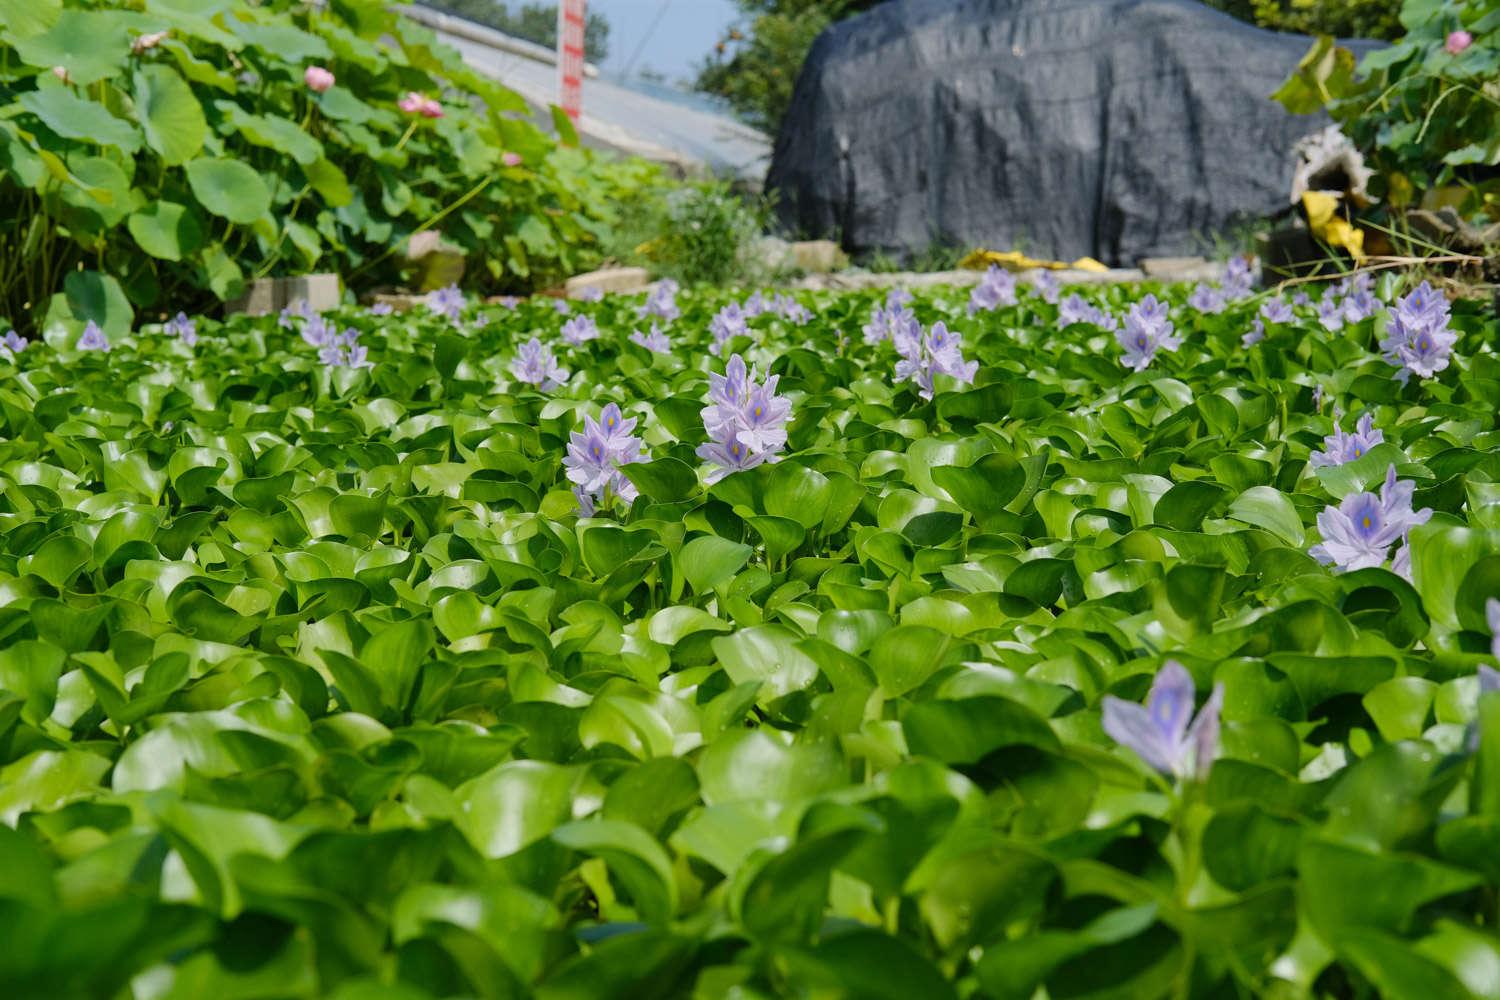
x: 461, y: 676
x: 997, y: 288
x: 1146, y: 330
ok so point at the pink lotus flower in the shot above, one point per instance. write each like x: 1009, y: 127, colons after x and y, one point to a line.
x: 143, y: 42
x: 510, y: 159
x: 61, y: 72
x: 1458, y: 41
x: 317, y: 79
x: 431, y: 108
x: 412, y: 103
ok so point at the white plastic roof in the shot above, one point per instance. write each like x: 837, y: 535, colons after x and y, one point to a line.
x: 614, y: 117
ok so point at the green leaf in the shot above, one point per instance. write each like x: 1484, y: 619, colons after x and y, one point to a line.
x: 166, y: 230
x: 229, y: 189
x: 1268, y: 508
x: 169, y: 113
x: 98, y: 297
x: 72, y: 117
x: 709, y: 562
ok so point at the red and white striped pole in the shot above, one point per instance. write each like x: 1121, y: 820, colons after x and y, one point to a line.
x: 570, y: 24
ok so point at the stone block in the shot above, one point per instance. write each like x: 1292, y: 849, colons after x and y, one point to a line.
x: 269, y: 295
x: 818, y: 256
x: 614, y: 279
x: 1169, y: 268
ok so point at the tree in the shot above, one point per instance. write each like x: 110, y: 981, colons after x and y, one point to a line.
x: 756, y: 67
x: 535, y: 22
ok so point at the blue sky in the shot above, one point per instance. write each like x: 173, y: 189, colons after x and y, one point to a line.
x: 682, y: 37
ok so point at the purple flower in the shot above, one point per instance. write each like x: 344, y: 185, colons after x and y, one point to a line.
x: 382, y: 309
x: 535, y: 364
x: 1360, y: 304
x: 1238, y: 278
x: 92, y: 338
x: 897, y: 298
x: 1207, y: 299
x: 1317, y: 397
x: 318, y: 332
x: 662, y: 301
x: 791, y: 310
x: 182, y: 327
x: 1147, y: 330
x: 756, y: 305
x: 1255, y: 334
x: 878, y: 328
x: 347, y: 339
x: 1331, y: 311
x: 1076, y: 309
x: 359, y: 357
x: 447, y: 302
x: 333, y: 356
x: 1419, y: 340
x: 745, y: 420
x: 1301, y: 299
x: 1340, y: 447
x: 1164, y: 732
x: 12, y: 344
x: 562, y: 307
x: 997, y: 288
x: 1046, y: 286
x: 1276, y: 311
x: 299, y: 309
x: 728, y: 323
x: 591, y: 293
x: 726, y: 456
x: 655, y: 341
x: 594, y: 458
x: 580, y: 330
x: 508, y: 301
x: 1401, y: 561
x: 938, y: 352
x: 1358, y: 533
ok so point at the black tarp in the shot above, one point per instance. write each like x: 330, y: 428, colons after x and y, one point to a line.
x: 1116, y: 129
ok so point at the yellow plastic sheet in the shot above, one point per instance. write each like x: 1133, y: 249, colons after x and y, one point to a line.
x: 1015, y: 260
x: 1330, y: 227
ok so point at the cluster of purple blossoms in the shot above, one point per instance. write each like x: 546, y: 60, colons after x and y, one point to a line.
x: 1271, y: 311
x: 92, y: 338
x: 336, y: 350
x: 790, y: 309
x: 895, y: 316
x: 534, y: 363
x: 300, y: 309
x: 382, y: 309
x: 1044, y: 282
x: 11, y: 345
x: 1146, y: 331
x: 662, y: 301
x: 745, y: 420
x: 1341, y: 446
x: 1239, y: 278
x: 1359, y: 532
x: 757, y: 305
x: 729, y: 322
x: 1076, y: 309
x: 923, y: 356
x: 1207, y: 299
x: 181, y: 327
x: 997, y: 288
x: 580, y: 330
x: 562, y: 307
x: 595, y: 456
x: 1419, y: 340
x: 447, y: 302
x: 656, y: 342
x: 1331, y: 310
x: 591, y: 293
x: 1164, y: 732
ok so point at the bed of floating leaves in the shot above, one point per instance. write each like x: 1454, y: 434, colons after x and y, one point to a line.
x: 314, y: 683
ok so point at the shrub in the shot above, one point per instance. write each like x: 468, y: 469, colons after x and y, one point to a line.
x: 1423, y: 115
x: 158, y: 155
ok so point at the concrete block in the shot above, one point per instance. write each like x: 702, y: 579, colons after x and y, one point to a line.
x: 613, y: 279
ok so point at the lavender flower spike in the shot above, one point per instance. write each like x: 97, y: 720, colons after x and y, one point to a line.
x: 1419, y: 340
x: 1146, y: 331
x: 997, y: 288
x: 1340, y: 447
x: 656, y: 342
x: 92, y: 338
x: 725, y: 457
x: 12, y: 344
x: 447, y: 301
x: 1163, y: 731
